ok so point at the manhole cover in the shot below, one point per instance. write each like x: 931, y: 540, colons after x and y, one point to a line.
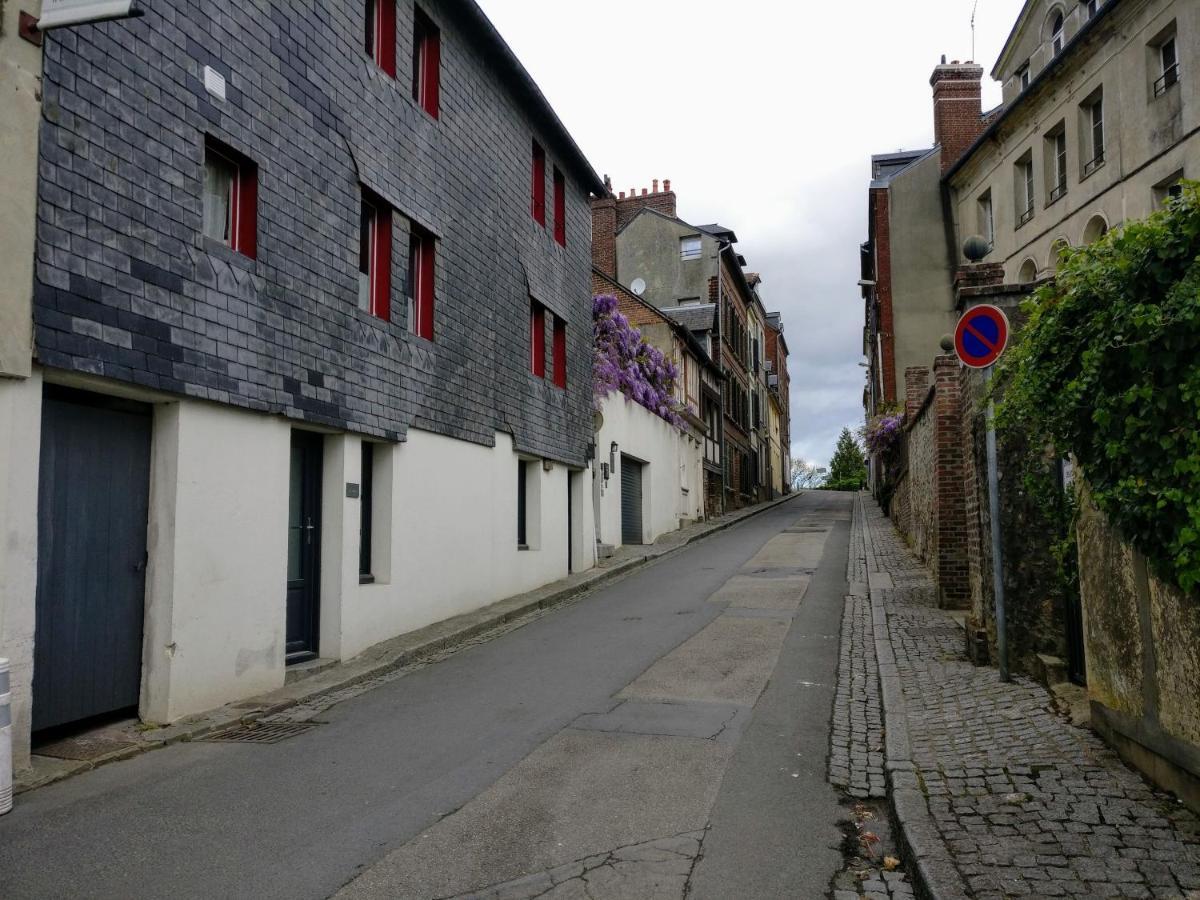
x: 259, y: 732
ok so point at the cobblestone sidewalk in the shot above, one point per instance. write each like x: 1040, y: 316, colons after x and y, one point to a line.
x: 1026, y: 804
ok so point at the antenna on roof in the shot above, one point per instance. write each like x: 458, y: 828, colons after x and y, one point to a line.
x: 973, y: 8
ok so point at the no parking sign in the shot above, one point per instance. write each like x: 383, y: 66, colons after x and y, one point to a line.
x: 981, y: 335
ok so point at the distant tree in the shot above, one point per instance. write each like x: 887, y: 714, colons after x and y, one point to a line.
x: 805, y: 475
x: 848, y: 468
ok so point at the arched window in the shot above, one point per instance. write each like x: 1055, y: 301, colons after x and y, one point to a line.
x: 1056, y: 32
x: 1095, y: 229
x: 1028, y: 272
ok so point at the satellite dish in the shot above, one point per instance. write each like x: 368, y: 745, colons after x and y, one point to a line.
x: 638, y: 286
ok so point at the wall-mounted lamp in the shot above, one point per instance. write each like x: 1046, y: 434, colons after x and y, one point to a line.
x: 612, y: 456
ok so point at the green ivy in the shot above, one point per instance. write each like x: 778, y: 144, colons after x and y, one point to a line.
x: 1108, y: 367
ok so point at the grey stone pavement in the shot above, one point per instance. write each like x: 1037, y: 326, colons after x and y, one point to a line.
x: 665, y: 736
x: 1024, y: 803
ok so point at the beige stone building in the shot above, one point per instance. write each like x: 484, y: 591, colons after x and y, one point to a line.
x: 1100, y: 121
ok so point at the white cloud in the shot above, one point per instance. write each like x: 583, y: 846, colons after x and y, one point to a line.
x: 764, y: 115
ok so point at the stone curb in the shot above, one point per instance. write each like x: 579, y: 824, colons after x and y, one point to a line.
x: 931, y: 866
x: 385, y: 657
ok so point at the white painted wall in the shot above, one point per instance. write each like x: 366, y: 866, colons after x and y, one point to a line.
x: 215, y: 587
x: 20, y: 443
x: 672, y: 477
x: 452, y: 546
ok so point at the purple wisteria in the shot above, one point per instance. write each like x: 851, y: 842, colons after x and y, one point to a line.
x: 882, y: 432
x: 623, y: 362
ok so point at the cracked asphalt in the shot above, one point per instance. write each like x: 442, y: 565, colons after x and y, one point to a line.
x: 666, y: 736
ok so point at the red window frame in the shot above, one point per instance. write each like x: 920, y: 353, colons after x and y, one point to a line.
x: 538, y: 188
x: 375, y: 252
x: 380, y: 34
x: 537, y: 339
x: 421, y: 269
x: 243, y: 196
x: 560, y: 208
x: 560, y: 352
x: 426, y: 63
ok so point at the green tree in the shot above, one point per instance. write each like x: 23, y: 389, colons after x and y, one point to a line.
x: 848, y: 468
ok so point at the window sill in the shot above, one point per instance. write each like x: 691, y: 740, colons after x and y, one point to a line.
x: 523, y: 547
x: 227, y: 253
x: 1024, y: 220
x: 366, y: 579
x: 1054, y: 199
x: 1088, y: 173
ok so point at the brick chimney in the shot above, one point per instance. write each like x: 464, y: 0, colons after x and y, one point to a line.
x: 957, y: 108
x: 629, y: 205
x: 604, y: 232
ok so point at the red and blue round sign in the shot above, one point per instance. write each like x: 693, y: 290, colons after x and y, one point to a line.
x: 981, y: 335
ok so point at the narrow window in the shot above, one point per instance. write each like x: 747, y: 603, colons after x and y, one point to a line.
x: 426, y: 63
x: 1169, y: 62
x: 689, y: 248
x: 560, y: 208
x: 1025, y: 194
x: 987, y: 220
x: 1023, y: 75
x: 1093, y: 123
x: 380, y: 34
x: 1089, y: 9
x: 421, y: 251
x: 365, y: 511
x: 375, y: 257
x: 1056, y: 33
x: 522, y: 542
x: 538, y: 186
x: 1055, y: 155
x: 560, y: 352
x: 537, y: 339
x: 230, y: 198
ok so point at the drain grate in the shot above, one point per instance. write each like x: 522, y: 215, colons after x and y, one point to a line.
x: 259, y: 732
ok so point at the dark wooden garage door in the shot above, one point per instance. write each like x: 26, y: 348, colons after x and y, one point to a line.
x: 631, y: 501
x: 93, y: 499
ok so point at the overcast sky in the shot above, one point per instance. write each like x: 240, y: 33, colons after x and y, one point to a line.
x: 764, y: 115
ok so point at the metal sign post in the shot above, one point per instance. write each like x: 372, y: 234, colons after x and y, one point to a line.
x: 979, y: 339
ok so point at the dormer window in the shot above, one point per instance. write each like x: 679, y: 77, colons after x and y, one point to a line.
x: 1056, y: 33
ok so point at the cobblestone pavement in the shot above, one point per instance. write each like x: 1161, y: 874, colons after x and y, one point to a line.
x: 1028, y: 805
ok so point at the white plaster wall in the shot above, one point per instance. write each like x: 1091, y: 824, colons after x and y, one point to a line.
x: 672, y: 461
x: 453, y: 537
x: 20, y: 443
x: 215, y: 611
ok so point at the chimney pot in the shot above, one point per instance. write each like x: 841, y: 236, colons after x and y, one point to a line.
x: 666, y: 184
x: 656, y: 185
x: 644, y: 192
x: 622, y: 196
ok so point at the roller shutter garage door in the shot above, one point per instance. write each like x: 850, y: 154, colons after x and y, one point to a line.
x: 631, y: 501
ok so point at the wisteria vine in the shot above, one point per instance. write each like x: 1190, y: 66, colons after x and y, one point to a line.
x: 623, y: 362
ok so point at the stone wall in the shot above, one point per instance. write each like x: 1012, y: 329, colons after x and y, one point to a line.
x: 1142, y: 639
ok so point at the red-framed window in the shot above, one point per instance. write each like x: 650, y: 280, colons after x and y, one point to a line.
x: 230, y: 198
x: 426, y: 63
x: 560, y: 208
x: 560, y: 352
x: 538, y: 186
x: 537, y: 339
x: 380, y: 33
x: 421, y: 257
x: 375, y: 256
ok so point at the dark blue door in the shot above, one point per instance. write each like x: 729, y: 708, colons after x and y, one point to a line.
x: 304, y: 544
x: 93, y: 500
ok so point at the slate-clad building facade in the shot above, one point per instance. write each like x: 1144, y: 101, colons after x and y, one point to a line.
x: 297, y: 248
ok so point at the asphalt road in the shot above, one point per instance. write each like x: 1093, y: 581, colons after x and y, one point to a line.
x: 664, y: 736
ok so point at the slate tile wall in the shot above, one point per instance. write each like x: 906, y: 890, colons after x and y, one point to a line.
x: 128, y: 288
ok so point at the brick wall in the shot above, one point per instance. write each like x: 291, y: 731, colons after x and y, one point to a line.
x: 631, y: 203
x: 883, y: 291
x: 127, y: 287
x: 949, y: 499
x: 957, y: 109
